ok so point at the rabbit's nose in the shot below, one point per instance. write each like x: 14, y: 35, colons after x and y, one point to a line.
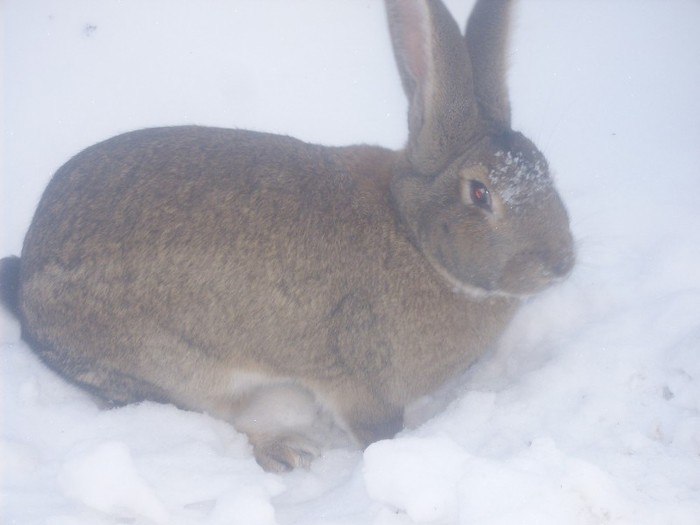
x: 559, y: 263
x: 563, y: 264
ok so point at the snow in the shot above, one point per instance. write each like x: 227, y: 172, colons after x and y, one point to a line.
x: 431, y: 467
x: 510, y: 178
x: 105, y: 479
x: 588, y: 412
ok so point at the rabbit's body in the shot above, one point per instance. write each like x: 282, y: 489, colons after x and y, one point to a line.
x: 227, y: 290
x: 289, y: 288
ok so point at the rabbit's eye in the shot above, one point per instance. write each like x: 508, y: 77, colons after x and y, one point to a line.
x: 480, y: 195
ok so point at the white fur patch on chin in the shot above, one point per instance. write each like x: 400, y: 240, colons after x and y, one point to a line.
x: 475, y: 292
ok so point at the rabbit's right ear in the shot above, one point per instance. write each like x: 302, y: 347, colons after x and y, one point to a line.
x: 487, y: 41
x: 437, y: 77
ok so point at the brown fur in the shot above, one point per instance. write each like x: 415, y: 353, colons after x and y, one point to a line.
x: 227, y: 271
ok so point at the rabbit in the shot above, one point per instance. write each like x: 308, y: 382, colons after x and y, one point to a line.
x: 306, y: 294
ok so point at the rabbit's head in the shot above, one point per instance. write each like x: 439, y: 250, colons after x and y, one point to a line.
x: 476, y: 196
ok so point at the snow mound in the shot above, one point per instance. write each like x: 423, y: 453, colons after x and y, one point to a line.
x: 105, y: 478
x: 417, y: 476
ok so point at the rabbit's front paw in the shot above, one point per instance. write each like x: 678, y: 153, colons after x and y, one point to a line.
x: 284, y: 452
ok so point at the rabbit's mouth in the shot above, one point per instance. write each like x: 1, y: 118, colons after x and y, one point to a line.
x: 529, y: 273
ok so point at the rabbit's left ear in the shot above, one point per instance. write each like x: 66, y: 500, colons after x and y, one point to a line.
x: 487, y: 42
x: 436, y: 75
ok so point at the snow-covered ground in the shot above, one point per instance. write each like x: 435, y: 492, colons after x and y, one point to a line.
x: 589, y: 410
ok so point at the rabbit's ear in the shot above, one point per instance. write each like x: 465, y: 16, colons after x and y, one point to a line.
x: 487, y: 42
x: 436, y: 74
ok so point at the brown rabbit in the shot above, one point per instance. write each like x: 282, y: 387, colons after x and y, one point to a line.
x: 304, y: 293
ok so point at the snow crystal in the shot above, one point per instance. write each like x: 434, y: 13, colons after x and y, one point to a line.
x: 518, y: 179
